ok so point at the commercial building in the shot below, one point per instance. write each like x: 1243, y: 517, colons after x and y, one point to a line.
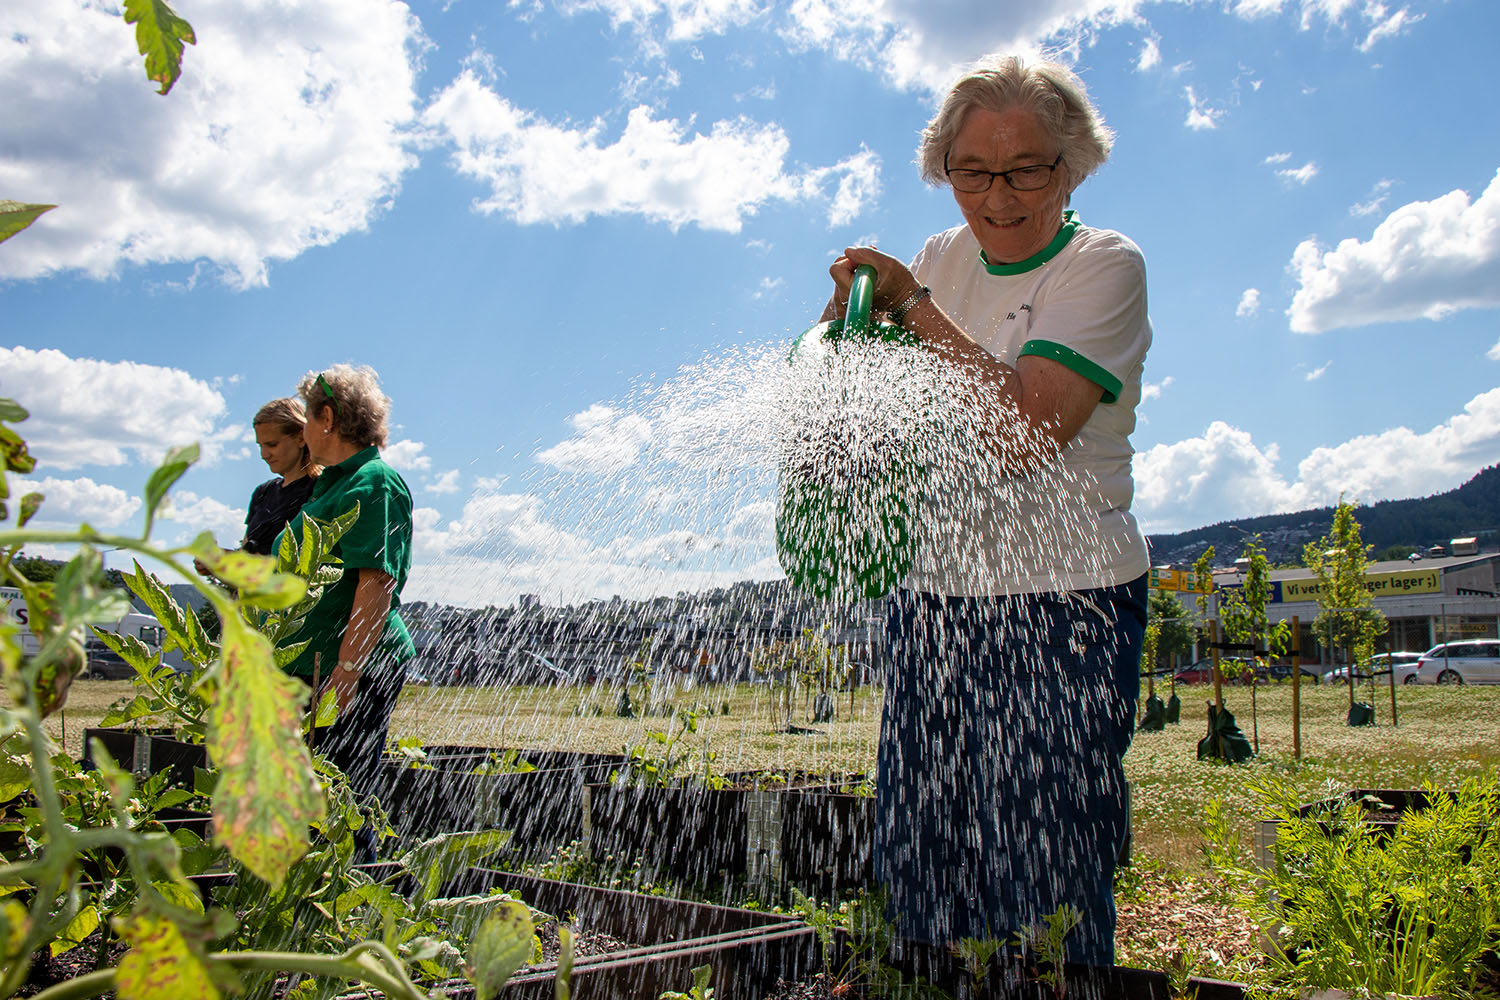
x: 1426, y: 600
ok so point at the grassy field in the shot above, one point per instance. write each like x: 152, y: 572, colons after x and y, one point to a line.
x: 1445, y: 734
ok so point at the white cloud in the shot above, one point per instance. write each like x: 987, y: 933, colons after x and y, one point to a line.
x: 1380, y: 21
x: 406, y: 456
x: 1223, y: 474
x: 197, y: 514
x: 1275, y: 158
x: 1390, y: 27
x: 685, y: 20
x: 538, y: 171
x: 90, y: 412
x: 283, y: 133
x: 605, y: 441
x: 1153, y: 390
x: 1428, y: 259
x: 1249, y: 303
x: 71, y: 501
x: 1150, y: 56
x: 769, y: 286
x: 1319, y: 372
x: 1378, y: 196
x: 1299, y: 175
x: 446, y: 482
x: 1494, y: 352
x: 1200, y: 115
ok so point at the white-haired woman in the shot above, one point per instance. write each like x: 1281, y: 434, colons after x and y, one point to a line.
x: 1016, y: 638
x: 357, y: 643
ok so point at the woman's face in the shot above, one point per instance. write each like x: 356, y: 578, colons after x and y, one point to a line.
x: 281, y: 452
x: 1010, y: 225
x: 318, y: 434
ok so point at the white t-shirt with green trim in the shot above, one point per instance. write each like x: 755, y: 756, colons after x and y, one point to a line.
x: 1081, y: 301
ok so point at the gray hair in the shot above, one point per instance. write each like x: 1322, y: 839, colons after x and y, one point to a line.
x: 360, y: 409
x: 1048, y: 89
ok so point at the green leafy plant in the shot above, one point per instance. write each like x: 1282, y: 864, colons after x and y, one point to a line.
x: 266, y: 793
x: 977, y: 954
x: 1046, y: 942
x: 702, y: 976
x: 665, y: 759
x: 854, y: 937
x: 1355, y: 906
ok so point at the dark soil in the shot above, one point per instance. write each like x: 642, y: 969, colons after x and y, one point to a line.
x: 820, y: 987
x: 585, y: 943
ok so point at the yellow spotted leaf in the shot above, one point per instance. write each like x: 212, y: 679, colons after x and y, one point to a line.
x: 160, y: 963
x: 500, y: 947
x: 268, y: 793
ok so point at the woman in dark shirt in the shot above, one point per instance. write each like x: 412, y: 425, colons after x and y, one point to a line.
x: 278, y: 431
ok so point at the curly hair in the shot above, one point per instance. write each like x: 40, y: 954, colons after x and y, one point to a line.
x: 360, y: 409
x: 1048, y: 89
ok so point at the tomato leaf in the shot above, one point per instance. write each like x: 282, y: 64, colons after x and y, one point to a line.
x: 268, y: 792
x: 159, y: 36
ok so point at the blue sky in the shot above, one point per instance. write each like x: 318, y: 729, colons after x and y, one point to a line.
x: 575, y: 237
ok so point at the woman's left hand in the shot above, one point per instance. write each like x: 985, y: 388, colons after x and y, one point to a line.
x: 345, y: 682
x: 893, y: 280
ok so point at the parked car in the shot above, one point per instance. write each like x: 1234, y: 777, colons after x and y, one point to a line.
x: 1234, y: 671
x: 1283, y: 672
x: 1197, y: 673
x: 1467, y: 661
x: 1405, y: 665
x: 103, y: 664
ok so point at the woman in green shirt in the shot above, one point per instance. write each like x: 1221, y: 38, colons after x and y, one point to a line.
x: 358, y: 645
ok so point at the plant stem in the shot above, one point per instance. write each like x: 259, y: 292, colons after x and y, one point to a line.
x: 80, y: 987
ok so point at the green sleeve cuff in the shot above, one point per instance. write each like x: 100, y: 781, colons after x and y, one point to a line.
x: 1074, y: 361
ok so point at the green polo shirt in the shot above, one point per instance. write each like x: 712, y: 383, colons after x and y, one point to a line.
x: 379, y: 539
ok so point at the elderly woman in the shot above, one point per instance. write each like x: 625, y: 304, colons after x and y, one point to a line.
x: 278, y: 432
x: 1016, y: 638
x: 357, y: 643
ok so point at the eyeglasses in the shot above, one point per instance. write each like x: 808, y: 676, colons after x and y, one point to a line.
x: 323, y: 383
x: 1032, y: 178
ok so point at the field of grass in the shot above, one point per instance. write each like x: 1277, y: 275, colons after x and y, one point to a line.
x: 1445, y: 734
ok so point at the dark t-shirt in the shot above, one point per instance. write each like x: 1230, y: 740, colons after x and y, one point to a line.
x: 271, y: 507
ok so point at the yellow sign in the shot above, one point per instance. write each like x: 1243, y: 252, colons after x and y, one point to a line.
x: 1419, y: 581
x: 1172, y: 579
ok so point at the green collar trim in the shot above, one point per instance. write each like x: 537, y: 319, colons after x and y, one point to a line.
x: 334, y: 473
x: 1070, y: 226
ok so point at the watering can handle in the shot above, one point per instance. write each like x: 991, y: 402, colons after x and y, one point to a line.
x: 861, y: 300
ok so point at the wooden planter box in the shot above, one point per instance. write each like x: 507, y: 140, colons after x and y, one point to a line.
x: 541, y: 808
x: 1008, y: 979
x: 687, y: 832
x: 748, y: 950
x: 700, y: 834
x: 1397, y: 802
x: 147, y: 751
x: 826, y: 841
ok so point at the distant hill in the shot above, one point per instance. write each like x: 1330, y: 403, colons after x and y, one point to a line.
x: 1471, y: 509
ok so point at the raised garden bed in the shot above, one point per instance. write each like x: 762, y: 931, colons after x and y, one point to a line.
x: 147, y: 751
x: 459, y: 788
x: 749, y: 951
x: 701, y: 834
x: 826, y: 840
x: 1384, y: 809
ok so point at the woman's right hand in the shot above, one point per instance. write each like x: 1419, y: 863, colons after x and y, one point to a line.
x: 893, y: 280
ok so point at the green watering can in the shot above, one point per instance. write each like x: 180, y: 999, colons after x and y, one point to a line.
x: 843, y: 536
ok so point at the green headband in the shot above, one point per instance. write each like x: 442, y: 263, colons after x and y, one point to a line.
x: 329, y: 393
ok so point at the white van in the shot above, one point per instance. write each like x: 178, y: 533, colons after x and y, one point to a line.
x: 1467, y: 661
x: 133, y: 623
